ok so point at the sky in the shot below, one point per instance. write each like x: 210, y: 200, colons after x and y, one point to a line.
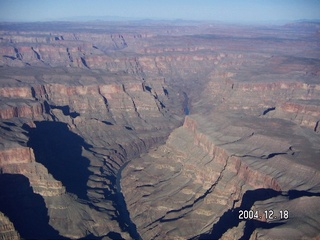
x: 215, y: 10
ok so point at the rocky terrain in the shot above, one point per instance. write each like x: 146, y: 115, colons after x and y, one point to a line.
x: 159, y: 131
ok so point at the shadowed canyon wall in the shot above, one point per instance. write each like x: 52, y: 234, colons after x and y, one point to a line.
x: 159, y: 131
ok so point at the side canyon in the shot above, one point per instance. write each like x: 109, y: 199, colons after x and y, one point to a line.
x: 159, y: 130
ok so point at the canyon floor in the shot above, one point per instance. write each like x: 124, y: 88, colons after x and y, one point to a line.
x: 159, y: 130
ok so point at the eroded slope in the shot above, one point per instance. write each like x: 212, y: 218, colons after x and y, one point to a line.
x: 79, y: 107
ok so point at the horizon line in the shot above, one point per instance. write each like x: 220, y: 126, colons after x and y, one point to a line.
x: 118, y: 19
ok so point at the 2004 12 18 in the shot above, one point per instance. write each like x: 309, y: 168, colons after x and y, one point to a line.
x: 267, y: 214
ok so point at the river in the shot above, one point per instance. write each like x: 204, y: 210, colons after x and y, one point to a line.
x: 186, y: 104
x: 124, y: 216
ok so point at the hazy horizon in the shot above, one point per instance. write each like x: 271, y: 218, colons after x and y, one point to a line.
x: 246, y: 11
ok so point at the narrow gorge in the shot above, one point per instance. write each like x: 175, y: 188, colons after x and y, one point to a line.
x: 159, y: 130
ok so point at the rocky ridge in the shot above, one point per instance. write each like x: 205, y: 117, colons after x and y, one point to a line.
x: 86, y: 113
x: 70, y: 112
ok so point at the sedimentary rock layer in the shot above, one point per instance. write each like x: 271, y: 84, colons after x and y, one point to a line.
x: 117, y: 126
x: 93, y: 123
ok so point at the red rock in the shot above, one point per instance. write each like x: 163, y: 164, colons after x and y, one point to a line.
x: 120, y: 91
x: 16, y: 155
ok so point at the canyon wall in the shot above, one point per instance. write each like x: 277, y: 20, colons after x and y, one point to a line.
x: 202, y: 172
x: 76, y: 177
x: 95, y: 141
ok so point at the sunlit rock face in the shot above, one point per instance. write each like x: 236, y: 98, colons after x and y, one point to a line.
x: 159, y: 131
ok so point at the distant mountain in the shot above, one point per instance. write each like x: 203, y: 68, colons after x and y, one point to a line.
x: 95, y: 18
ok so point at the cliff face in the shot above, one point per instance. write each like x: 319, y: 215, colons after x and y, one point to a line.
x: 116, y: 122
x: 198, y: 176
x: 93, y: 123
x: 7, y: 230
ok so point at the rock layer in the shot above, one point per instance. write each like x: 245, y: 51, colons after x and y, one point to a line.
x: 96, y: 105
x: 7, y: 230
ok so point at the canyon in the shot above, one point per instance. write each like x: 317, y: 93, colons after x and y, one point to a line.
x: 159, y: 130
